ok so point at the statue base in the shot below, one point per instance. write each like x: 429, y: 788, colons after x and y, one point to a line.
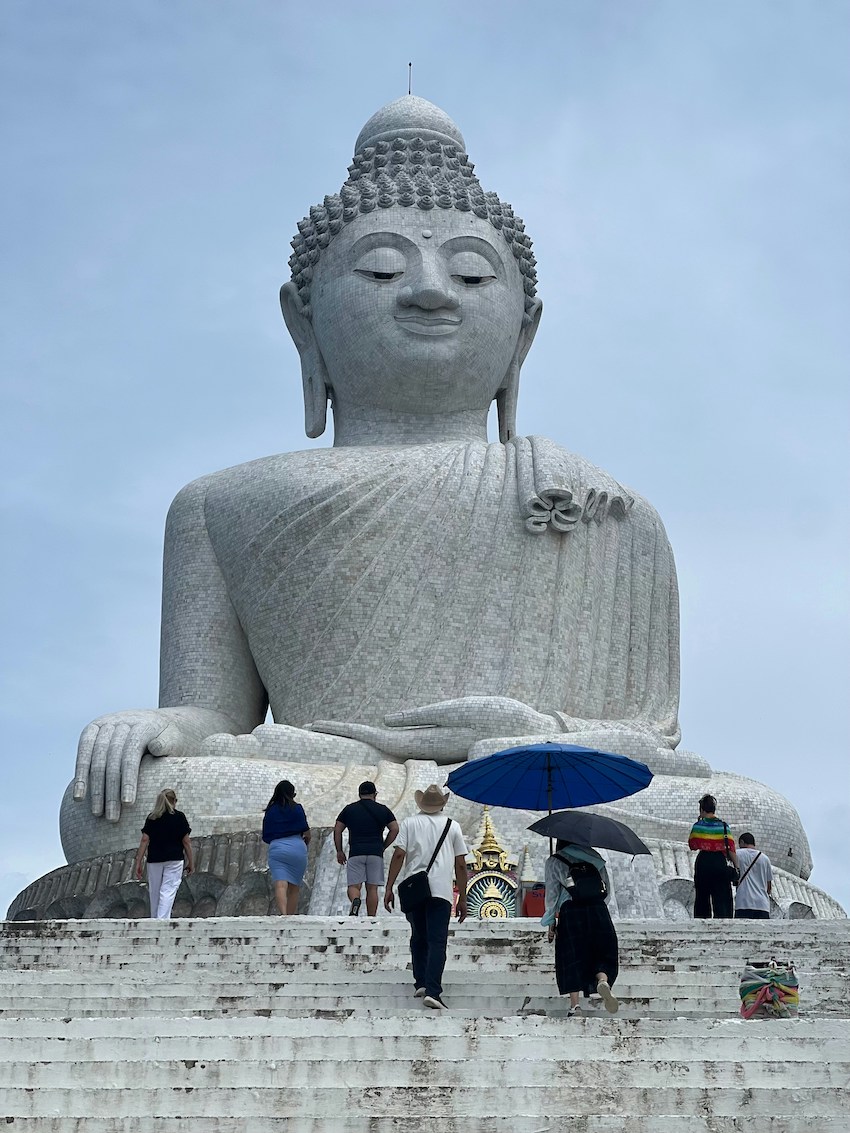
x: 231, y: 879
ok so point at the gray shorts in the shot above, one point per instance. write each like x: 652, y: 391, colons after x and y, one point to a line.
x: 366, y: 867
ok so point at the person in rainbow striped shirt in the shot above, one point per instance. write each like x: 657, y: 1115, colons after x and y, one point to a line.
x: 712, y: 876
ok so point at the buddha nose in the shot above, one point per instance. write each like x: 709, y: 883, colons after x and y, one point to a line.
x: 428, y: 292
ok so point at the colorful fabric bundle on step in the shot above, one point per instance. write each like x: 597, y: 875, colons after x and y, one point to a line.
x: 769, y: 989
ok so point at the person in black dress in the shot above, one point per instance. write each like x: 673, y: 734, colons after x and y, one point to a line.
x: 586, y: 947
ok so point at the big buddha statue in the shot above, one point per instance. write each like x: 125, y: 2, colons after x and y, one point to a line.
x: 416, y: 595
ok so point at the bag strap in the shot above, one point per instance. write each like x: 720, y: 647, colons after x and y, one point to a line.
x: 567, y: 861
x: 372, y: 815
x: 749, y: 867
x: 446, y: 829
x: 581, y: 865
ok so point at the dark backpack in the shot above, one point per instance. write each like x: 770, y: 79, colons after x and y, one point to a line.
x: 588, y: 887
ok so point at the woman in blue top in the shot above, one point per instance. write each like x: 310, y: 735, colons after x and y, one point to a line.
x: 287, y: 832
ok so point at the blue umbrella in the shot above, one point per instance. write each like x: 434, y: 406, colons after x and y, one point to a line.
x: 547, y: 775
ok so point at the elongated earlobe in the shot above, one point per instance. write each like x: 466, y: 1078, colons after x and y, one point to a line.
x: 314, y: 381
x: 506, y: 402
x: 508, y: 394
x: 314, y: 374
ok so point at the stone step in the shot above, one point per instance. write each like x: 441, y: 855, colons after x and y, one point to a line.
x: 807, y: 1041
x: 675, y: 1123
x: 374, y: 992
x: 400, y: 1006
x: 633, y: 933
x: 638, y: 998
x: 447, y: 1094
x: 371, y: 981
x: 224, y: 930
x: 585, y: 1073
x: 171, y: 969
x: 466, y: 948
x: 362, y: 1026
x: 654, y: 935
x: 263, y: 959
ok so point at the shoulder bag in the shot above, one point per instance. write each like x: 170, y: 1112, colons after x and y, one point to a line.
x: 415, y: 890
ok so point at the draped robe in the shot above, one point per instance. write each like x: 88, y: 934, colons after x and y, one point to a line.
x: 350, y: 582
x: 367, y: 580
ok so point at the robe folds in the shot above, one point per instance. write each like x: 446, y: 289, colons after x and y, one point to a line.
x: 367, y: 580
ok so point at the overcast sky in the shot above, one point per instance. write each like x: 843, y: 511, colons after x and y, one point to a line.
x: 683, y: 170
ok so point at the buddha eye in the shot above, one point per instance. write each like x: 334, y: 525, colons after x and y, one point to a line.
x: 379, y: 276
x: 381, y: 265
x: 473, y: 280
x: 471, y: 269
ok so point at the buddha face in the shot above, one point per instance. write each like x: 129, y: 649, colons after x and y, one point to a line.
x: 417, y: 311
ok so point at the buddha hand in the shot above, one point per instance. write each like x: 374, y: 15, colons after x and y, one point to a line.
x: 111, y: 749
x: 445, y: 731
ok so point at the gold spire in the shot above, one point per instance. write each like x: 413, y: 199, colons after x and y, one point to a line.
x: 489, y: 843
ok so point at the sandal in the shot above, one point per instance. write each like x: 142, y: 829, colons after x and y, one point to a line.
x: 610, y: 1000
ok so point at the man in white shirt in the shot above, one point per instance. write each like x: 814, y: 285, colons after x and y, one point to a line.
x: 752, y: 899
x: 429, y: 922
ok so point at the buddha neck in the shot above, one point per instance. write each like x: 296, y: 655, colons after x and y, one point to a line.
x: 384, y: 428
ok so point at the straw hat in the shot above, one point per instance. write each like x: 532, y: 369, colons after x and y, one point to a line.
x: 431, y: 800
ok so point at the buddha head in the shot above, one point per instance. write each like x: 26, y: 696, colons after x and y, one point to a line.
x: 413, y: 291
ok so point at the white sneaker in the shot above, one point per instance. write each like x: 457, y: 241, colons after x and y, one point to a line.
x: 610, y: 1000
x: 435, y: 1002
x: 574, y: 1012
x: 420, y: 991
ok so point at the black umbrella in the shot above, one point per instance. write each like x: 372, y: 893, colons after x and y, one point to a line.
x: 585, y: 829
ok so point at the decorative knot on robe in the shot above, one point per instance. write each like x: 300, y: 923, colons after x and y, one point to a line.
x: 551, y: 494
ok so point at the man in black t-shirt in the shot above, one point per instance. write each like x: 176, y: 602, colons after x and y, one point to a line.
x: 366, y: 820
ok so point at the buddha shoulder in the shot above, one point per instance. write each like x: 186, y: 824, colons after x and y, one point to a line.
x: 255, y: 489
x: 553, y: 484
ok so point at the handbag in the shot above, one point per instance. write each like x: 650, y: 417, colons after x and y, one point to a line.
x: 732, y: 872
x: 415, y: 890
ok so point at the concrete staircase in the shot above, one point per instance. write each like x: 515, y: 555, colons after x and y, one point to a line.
x: 308, y: 1024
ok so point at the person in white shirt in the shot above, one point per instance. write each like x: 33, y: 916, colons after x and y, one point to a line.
x: 752, y: 899
x: 417, y: 839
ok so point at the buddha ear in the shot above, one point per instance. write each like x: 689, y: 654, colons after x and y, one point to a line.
x: 314, y: 374
x: 508, y: 394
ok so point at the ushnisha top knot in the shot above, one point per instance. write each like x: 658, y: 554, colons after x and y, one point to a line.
x: 409, y: 117
x: 409, y: 153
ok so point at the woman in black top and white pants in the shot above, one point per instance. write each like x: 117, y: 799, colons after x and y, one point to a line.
x: 165, y: 839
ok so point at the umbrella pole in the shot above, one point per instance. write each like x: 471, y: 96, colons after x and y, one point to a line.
x: 549, y: 793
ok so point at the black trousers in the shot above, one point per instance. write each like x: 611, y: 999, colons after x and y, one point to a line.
x: 712, y: 887
x: 752, y: 915
x: 429, y: 934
